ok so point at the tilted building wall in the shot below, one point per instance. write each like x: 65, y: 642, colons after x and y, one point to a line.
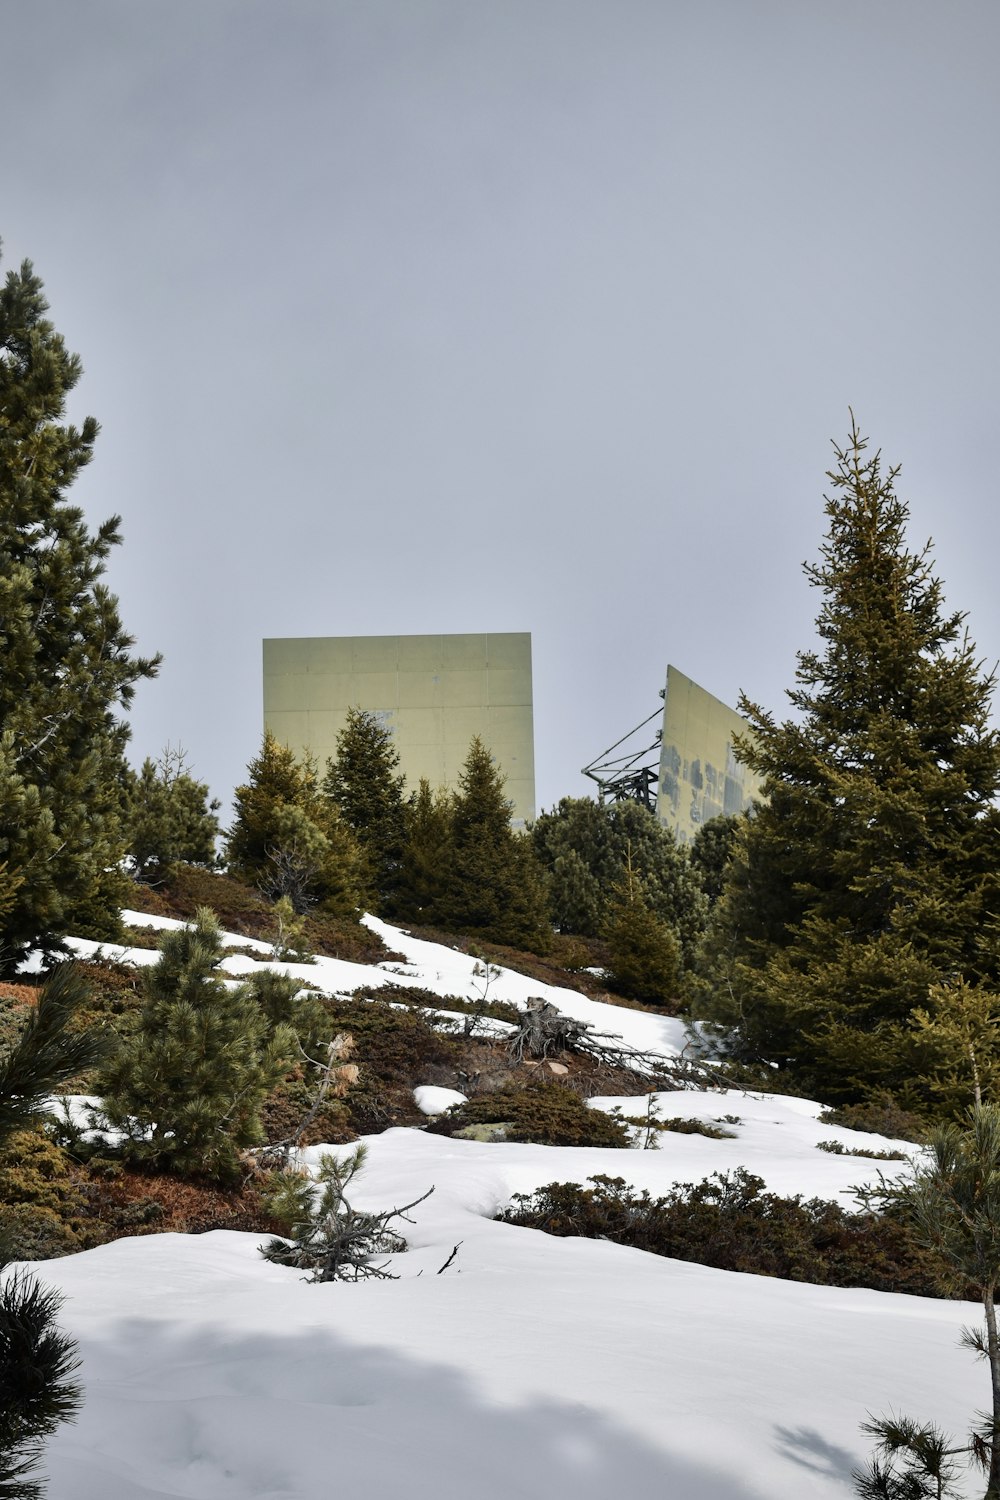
x: 700, y: 777
x: 434, y: 692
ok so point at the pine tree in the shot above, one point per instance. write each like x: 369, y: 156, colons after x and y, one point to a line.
x: 426, y: 855
x: 170, y: 817
x: 187, y: 1089
x: 290, y: 840
x: 67, y: 663
x: 956, y: 1046
x: 643, y: 953
x: 578, y: 903
x: 492, y: 884
x: 587, y: 849
x: 364, y: 783
x: 711, y: 850
x: 37, y: 1361
x: 868, y: 873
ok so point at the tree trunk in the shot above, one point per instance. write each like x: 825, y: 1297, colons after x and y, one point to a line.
x: 993, y: 1347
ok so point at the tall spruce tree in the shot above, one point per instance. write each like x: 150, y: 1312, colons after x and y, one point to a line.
x: 364, y: 783
x: 869, y: 873
x: 426, y: 855
x: 644, y: 960
x: 491, y: 883
x: 68, y: 667
x: 290, y: 840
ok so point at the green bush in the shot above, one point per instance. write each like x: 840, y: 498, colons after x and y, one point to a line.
x: 714, y: 1132
x: 730, y: 1222
x: 879, y: 1116
x: 41, y: 1206
x: 421, y: 999
x: 550, y: 1114
x: 837, y: 1148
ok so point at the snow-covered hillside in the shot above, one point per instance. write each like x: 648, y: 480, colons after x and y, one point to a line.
x: 532, y: 1366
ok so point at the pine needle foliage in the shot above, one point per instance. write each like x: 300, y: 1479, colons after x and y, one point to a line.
x: 490, y: 883
x: 364, y: 783
x: 290, y: 840
x: 170, y: 817
x: 867, y: 874
x: 37, y: 1389
x: 644, y: 960
x: 48, y: 1051
x: 187, y: 1089
x: 68, y: 668
x: 952, y: 1200
x: 425, y: 854
x: 588, y: 849
x: 911, y: 1462
x: 330, y: 1238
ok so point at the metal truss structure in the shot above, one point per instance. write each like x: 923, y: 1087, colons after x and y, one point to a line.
x: 632, y: 775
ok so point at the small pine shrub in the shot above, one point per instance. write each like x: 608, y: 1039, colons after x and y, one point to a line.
x: 549, y: 1114
x: 186, y: 1090
x: 421, y: 999
x: 327, y: 1236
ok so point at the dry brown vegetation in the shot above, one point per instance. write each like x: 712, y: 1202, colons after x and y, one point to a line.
x: 241, y: 909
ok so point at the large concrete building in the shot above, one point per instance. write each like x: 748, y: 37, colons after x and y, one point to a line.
x: 434, y: 692
x: 700, y: 777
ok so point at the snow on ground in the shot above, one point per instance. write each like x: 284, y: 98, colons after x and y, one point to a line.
x: 532, y: 1368
x: 428, y: 966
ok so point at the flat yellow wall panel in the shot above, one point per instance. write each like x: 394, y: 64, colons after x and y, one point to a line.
x: 460, y: 688
x: 433, y: 692
x: 700, y: 776
x: 509, y: 686
x: 419, y: 690
x: 285, y: 656
x: 463, y: 651
x: 420, y: 726
x: 505, y: 650
x: 290, y: 728
x: 419, y: 653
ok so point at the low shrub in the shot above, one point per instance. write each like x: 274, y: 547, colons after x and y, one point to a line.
x: 287, y: 1106
x: 241, y: 908
x: 52, y: 1204
x: 680, y: 1126
x: 837, y: 1148
x: 731, y: 1222
x: 879, y: 1116
x: 421, y: 999
x: 42, y: 1207
x: 394, y: 1048
x: 548, y: 1113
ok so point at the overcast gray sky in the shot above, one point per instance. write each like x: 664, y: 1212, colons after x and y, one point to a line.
x: 483, y: 315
